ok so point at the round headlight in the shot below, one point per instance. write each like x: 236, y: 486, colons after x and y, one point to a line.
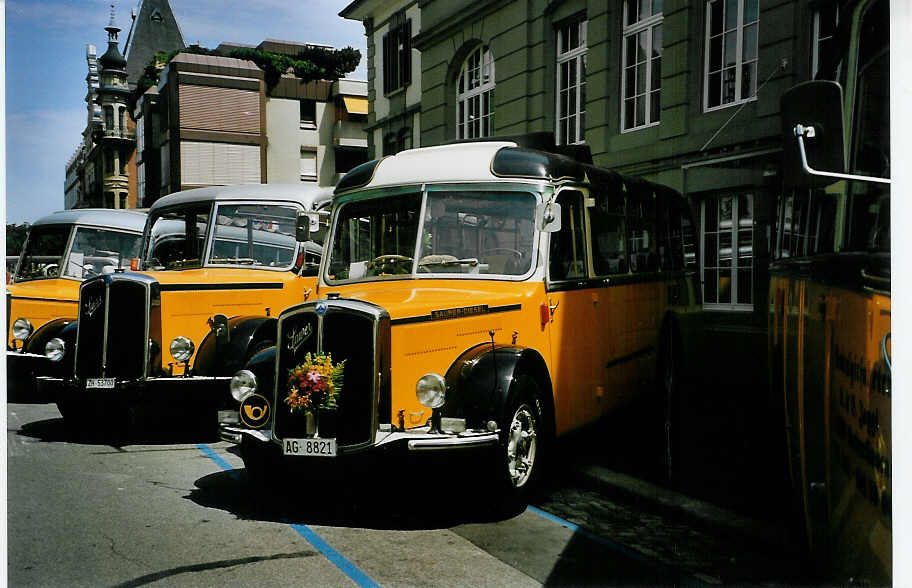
x: 182, y: 348
x: 243, y: 384
x: 55, y: 349
x: 22, y: 329
x: 431, y: 390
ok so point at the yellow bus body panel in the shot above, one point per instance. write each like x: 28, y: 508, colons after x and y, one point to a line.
x: 828, y: 364
x: 579, y: 357
x: 41, y: 301
x: 228, y: 291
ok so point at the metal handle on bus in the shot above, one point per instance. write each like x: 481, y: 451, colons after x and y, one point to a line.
x: 886, y: 356
x: 801, y: 132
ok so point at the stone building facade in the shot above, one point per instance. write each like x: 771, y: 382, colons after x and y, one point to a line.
x: 682, y: 92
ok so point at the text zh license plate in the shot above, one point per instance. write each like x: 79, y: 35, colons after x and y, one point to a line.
x: 310, y: 447
x: 105, y: 383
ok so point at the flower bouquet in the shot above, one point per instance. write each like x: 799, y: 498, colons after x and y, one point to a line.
x: 314, y: 384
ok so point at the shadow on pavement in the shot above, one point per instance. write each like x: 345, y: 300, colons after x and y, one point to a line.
x: 348, y: 502
x: 56, y: 430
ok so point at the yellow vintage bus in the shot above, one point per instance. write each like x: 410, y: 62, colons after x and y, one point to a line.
x: 61, y: 250
x: 829, y: 302
x: 217, y: 264
x: 481, y: 295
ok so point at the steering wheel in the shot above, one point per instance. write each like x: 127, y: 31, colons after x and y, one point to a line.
x: 390, y: 264
x: 50, y: 270
x: 514, y: 252
x: 515, y: 260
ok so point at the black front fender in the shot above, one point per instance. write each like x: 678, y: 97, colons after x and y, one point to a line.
x: 247, y: 336
x: 61, y: 328
x: 480, y: 381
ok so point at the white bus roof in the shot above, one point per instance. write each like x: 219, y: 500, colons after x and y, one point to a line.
x: 127, y: 220
x: 307, y: 195
x: 460, y: 162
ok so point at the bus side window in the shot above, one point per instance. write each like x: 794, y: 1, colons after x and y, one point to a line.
x: 609, y: 254
x: 671, y: 238
x: 641, y: 232
x: 568, y: 255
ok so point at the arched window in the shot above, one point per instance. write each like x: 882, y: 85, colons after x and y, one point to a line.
x: 475, y: 95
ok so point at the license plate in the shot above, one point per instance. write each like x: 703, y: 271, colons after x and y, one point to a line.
x: 310, y: 447
x: 100, y: 383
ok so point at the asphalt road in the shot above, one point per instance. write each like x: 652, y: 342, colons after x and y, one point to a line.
x: 92, y: 514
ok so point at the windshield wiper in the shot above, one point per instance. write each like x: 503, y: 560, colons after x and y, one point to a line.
x: 182, y: 263
x: 237, y: 260
x: 445, y: 261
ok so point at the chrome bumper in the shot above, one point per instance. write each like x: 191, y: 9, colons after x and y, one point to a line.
x: 413, y: 440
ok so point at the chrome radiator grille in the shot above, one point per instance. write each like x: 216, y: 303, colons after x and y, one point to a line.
x: 349, y: 330
x: 112, y: 338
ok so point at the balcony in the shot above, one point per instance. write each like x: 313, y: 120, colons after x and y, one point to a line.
x: 349, y: 134
x: 122, y: 134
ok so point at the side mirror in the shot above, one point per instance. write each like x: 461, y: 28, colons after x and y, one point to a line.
x: 815, y: 110
x: 548, y: 217
x: 304, y: 226
x: 219, y: 325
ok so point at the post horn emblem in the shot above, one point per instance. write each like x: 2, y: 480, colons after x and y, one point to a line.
x: 254, y: 411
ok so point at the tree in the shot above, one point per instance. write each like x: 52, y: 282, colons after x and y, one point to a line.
x: 15, y: 238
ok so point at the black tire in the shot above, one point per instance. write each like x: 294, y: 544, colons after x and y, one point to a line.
x: 669, y: 386
x: 523, y: 442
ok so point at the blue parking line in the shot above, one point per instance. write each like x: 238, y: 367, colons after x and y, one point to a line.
x: 613, y: 545
x: 320, y: 544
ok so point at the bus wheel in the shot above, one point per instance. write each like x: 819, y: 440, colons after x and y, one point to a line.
x: 522, y: 442
x: 669, y: 391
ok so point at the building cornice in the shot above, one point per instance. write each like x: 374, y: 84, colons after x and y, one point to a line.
x: 432, y: 34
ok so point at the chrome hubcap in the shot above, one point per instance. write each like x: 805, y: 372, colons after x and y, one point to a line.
x: 521, y: 446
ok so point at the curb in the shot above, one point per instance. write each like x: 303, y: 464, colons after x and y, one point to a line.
x: 675, y: 504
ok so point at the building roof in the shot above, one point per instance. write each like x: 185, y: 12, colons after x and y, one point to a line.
x: 215, y: 61
x: 128, y: 220
x: 290, y: 48
x: 154, y: 29
x: 308, y: 195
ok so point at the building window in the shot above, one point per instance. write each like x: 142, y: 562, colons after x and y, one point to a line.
x: 397, y: 57
x: 572, y: 59
x: 109, y: 118
x: 731, y: 52
x: 308, y: 166
x: 140, y: 136
x: 348, y: 158
x: 108, y: 161
x: 123, y: 199
x: 826, y: 19
x: 475, y: 95
x: 122, y: 120
x: 641, y: 78
x: 140, y: 184
x: 728, y: 251
x: 308, y: 113
x: 124, y: 158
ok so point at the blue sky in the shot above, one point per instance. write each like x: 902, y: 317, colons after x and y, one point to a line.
x: 46, y: 70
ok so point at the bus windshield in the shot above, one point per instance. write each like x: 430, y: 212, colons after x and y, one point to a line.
x: 94, y: 251
x: 177, y: 237
x: 261, y: 235
x: 462, y: 233
x: 100, y: 251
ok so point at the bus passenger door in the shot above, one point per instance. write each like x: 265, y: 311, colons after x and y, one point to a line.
x: 573, y: 329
